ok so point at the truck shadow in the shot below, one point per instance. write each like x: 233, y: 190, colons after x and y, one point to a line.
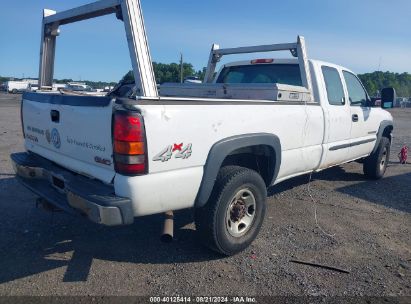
x: 373, y: 191
x: 378, y: 192
x: 333, y: 174
x: 33, y: 241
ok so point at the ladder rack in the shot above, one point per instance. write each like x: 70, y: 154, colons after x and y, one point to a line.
x: 127, y: 10
x: 297, y: 49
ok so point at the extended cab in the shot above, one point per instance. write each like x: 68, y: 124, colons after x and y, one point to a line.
x: 215, y: 147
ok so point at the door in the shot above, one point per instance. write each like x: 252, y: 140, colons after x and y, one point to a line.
x: 363, y: 134
x: 338, y: 119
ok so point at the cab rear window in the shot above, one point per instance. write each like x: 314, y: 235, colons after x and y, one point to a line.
x: 262, y: 73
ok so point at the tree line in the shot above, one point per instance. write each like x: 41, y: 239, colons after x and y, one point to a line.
x: 376, y: 81
x: 169, y: 72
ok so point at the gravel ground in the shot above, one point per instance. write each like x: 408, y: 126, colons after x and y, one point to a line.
x: 365, y: 229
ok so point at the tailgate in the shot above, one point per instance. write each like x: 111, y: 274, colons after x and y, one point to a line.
x: 72, y: 131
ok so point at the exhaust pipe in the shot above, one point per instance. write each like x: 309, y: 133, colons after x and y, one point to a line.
x: 168, y: 229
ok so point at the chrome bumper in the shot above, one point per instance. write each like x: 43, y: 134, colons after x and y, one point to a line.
x: 70, y: 192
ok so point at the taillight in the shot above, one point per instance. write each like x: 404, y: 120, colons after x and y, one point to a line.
x: 257, y: 61
x: 130, y: 151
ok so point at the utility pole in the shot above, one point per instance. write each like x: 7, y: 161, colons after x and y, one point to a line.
x: 181, y: 67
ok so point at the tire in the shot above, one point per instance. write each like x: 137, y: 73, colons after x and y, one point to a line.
x: 375, y: 165
x: 14, y: 91
x: 234, y: 213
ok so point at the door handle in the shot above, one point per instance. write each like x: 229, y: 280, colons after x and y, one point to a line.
x: 354, y: 117
x: 55, y: 116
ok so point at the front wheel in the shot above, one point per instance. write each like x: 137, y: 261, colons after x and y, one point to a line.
x: 375, y: 165
x: 233, y: 215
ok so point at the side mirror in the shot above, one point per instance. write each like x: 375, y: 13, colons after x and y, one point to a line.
x: 388, y: 97
x: 374, y: 102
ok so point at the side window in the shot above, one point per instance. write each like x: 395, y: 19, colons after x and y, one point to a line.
x: 356, y: 92
x: 333, y: 85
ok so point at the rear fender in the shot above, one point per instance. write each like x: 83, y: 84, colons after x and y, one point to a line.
x: 220, y: 150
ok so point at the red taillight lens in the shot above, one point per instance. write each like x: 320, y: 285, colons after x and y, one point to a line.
x: 128, y: 169
x: 130, y: 157
x: 128, y: 128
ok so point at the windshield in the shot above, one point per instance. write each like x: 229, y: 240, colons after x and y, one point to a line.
x: 262, y: 73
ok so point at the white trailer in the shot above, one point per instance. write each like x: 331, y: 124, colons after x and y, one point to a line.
x: 15, y: 87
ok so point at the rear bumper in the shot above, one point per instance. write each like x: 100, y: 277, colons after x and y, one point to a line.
x: 71, y: 192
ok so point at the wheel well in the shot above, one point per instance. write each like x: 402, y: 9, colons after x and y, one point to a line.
x: 260, y: 158
x: 387, y: 132
x: 258, y: 151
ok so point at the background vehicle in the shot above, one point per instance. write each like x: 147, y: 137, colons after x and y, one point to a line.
x: 214, y: 147
x: 59, y: 86
x: 79, y: 87
x: 15, y: 87
x: 108, y: 88
x: 33, y: 87
x: 192, y: 79
x: 3, y: 86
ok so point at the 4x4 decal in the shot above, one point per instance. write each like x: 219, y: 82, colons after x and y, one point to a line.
x: 183, y: 152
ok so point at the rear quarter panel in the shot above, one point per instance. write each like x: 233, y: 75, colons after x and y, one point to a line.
x: 175, y: 182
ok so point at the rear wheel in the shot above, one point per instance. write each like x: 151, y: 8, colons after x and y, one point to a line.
x: 375, y: 165
x: 14, y: 91
x: 233, y: 216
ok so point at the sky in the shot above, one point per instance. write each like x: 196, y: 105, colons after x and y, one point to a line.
x: 363, y: 35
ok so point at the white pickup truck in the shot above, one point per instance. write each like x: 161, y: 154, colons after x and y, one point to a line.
x: 215, y: 147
